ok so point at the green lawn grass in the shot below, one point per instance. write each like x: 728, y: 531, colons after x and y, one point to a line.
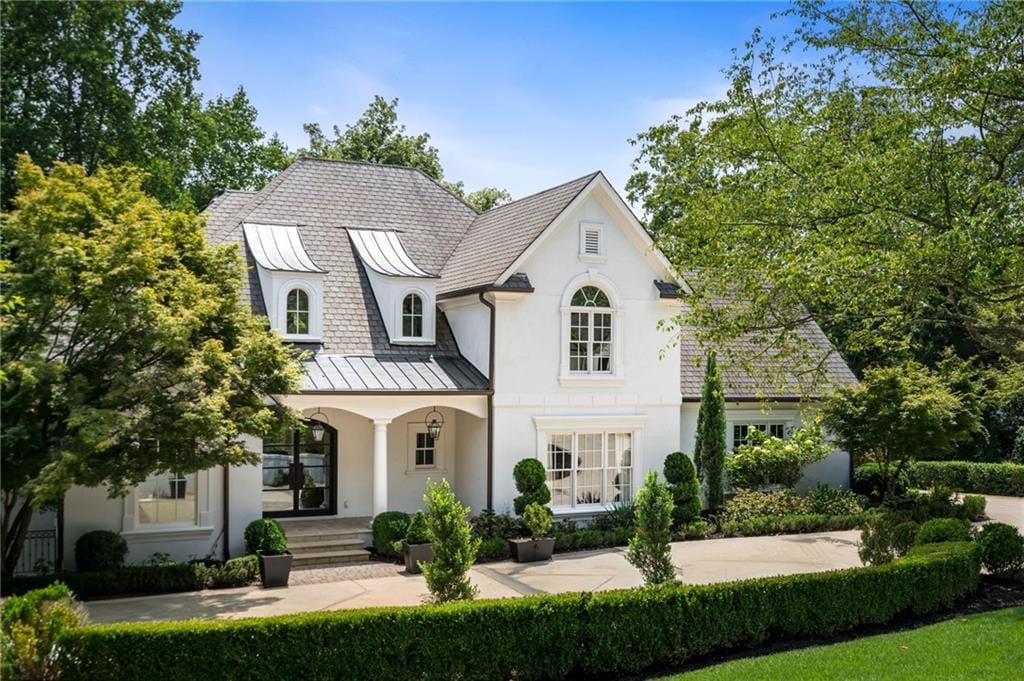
x: 986, y: 646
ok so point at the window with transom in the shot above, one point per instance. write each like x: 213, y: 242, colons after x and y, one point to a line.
x: 590, y: 332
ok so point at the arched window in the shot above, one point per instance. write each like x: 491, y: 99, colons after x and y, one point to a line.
x: 297, y: 312
x: 590, y: 332
x: 412, y: 316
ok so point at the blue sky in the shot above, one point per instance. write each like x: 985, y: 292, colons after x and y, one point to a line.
x: 521, y: 96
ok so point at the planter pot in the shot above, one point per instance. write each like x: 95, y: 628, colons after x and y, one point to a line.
x: 414, y: 553
x: 274, y: 570
x: 529, y: 550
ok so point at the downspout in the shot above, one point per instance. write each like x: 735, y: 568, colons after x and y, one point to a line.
x: 490, y: 407
x: 226, y: 496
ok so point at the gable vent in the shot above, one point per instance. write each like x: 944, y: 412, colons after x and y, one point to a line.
x: 591, y: 241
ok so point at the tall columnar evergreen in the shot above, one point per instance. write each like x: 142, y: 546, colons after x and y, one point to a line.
x: 710, y: 447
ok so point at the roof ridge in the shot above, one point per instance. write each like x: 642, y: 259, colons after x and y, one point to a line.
x: 588, y: 176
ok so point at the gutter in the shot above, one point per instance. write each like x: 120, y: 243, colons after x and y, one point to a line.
x: 486, y: 288
x: 490, y: 406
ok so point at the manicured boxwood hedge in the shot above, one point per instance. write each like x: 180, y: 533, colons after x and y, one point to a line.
x: 790, y: 524
x: 967, y: 476
x: 541, y: 637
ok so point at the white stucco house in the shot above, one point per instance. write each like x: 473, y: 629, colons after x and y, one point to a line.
x: 530, y: 330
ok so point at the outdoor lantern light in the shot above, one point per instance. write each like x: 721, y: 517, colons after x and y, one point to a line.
x: 316, y: 427
x: 434, y: 422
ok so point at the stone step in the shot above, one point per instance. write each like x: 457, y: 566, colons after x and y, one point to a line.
x: 321, y: 544
x: 328, y: 558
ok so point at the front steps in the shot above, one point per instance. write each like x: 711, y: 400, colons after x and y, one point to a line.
x: 328, y: 542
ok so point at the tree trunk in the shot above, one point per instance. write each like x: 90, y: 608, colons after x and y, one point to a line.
x: 14, y: 536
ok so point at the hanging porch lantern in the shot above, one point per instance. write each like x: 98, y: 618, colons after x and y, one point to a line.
x: 316, y: 426
x: 434, y: 422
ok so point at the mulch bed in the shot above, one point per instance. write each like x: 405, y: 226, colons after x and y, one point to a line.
x: 992, y: 594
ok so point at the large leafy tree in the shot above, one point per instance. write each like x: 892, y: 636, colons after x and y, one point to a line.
x: 126, y: 348
x: 874, y: 181
x: 378, y: 137
x: 113, y: 83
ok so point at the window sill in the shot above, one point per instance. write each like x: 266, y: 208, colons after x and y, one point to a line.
x: 425, y: 472
x: 412, y: 341
x: 580, y: 511
x: 296, y: 338
x: 168, y: 533
x: 585, y: 380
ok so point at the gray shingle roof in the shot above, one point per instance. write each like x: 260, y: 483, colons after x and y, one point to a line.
x: 499, y: 236
x: 366, y: 373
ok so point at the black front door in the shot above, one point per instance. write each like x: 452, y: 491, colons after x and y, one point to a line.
x: 300, y: 473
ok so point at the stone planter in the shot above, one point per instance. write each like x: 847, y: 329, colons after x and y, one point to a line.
x: 529, y: 550
x: 414, y: 553
x: 274, y: 570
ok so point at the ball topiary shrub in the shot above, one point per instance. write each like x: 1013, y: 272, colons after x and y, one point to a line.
x: 941, y: 530
x: 1002, y: 548
x: 681, y: 475
x: 265, y: 536
x: 531, y: 483
x: 100, y: 550
x: 389, y: 527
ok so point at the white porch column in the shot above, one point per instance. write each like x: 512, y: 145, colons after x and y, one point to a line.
x: 380, y: 465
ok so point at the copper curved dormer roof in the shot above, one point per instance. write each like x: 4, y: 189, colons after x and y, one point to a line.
x: 279, y: 248
x: 382, y: 251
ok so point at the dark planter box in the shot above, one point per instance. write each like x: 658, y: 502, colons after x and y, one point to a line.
x: 414, y: 553
x: 530, y: 550
x: 274, y: 570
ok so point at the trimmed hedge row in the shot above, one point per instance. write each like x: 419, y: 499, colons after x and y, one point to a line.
x: 967, y: 476
x: 790, y: 524
x: 540, y: 637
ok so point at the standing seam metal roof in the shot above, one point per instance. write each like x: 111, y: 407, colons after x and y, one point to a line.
x: 382, y: 252
x: 278, y: 248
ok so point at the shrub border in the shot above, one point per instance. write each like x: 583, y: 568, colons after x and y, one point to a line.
x: 969, y: 476
x: 537, y: 637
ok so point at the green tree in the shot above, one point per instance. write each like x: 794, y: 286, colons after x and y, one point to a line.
x: 681, y: 477
x: 114, y: 83
x: 125, y: 348
x: 897, y: 414
x: 709, y: 450
x: 650, y: 550
x: 454, y: 545
x: 487, y: 198
x: 874, y: 184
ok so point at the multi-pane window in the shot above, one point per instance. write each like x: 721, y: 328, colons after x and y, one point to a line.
x: 590, y: 468
x: 590, y: 332
x: 412, y: 316
x: 297, y: 312
x: 425, y: 451
x: 167, y: 498
x: 741, y: 431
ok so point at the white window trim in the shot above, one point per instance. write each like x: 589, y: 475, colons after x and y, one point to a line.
x: 730, y: 423
x: 315, y: 311
x: 440, y: 448
x: 429, y: 319
x: 617, y: 375
x: 134, y: 530
x: 601, y: 255
x: 633, y: 424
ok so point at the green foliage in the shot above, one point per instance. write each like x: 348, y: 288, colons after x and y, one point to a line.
x: 883, y: 539
x: 868, y: 481
x: 418, y: 532
x: 746, y: 505
x: 490, y: 525
x: 538, y: 520
x: 121, y: 89
x: 113, y: 300
x: 30, y: 646
x: 709, y: 451
x: 454, y: 546
x: 1002, y: 548
x: 649, y: 551
x: 974, y: 506
x: 609, y: 634
x: 899, y: 413
x: 100, y: 550
x: 964, y: 476
x: 768, y: 460
x: 758, y: 526
x: 388, y: 528
x: 531, y: 483
x: 621, y: 515
x: 587, y: 539
x: 698, y: 529
x: 487, y: 198
x: 265, y: 535
x: 240, y: 571
x: 939, y: 530
x: 835, y: 185
x: 681, y: 475
x: 493, y: 548
x: 833, y: 501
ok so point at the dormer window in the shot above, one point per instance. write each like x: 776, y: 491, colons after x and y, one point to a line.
x: 412, y: 316
x: 297, y: 313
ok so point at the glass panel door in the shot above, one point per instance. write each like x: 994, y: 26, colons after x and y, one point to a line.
x: 299, y: 473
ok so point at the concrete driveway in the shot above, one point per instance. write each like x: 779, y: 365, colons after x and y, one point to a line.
x: 1008, y: 510
x: 697, y: 562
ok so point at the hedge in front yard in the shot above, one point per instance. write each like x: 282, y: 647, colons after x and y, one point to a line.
x: 967, y: 476
x: 540, y: 637
x: 760, y: 526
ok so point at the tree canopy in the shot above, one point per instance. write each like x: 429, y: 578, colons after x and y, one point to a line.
x: 866, y: 172
x: 124, y: 346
